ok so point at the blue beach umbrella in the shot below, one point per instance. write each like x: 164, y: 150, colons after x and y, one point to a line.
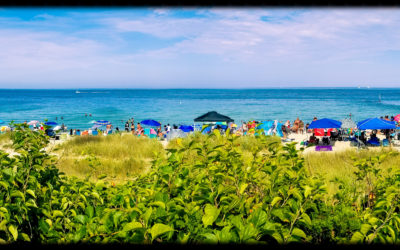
x: 186, y: 128
x: 375, y: 123
x: 51, y: 123
x: 325, y: 123
x: 102, y: 122
x: 150, y: 123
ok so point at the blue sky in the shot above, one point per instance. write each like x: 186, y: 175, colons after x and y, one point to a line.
x: 199, y: 47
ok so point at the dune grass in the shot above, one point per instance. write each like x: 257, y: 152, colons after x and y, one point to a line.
x: 118, y: 157
x: 5, y: 140
x: 340, y: 165
x: 122, y: 158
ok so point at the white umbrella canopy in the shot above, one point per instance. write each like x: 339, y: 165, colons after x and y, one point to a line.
x: 348, y: 123
x: 57, y: 127
x: 33, y: 122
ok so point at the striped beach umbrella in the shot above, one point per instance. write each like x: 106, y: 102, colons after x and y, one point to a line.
x: 102, y: 122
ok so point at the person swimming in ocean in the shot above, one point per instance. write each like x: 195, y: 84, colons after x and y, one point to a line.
x: 85, y: 115
x: 90, y: 115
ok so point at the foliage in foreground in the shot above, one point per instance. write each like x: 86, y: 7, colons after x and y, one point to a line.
x: 217, y: 199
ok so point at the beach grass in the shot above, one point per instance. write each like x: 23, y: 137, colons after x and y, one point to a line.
x: 122, y: 158
x: 5, y: 140
x: 340, y: 165
x: 118, y: 157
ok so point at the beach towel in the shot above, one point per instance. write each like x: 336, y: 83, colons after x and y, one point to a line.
x: 323, y: 148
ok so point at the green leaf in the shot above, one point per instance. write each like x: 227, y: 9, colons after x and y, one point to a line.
x: 210, y: 215
x: 243, y: 187
x: 275, y: 200
x: 365, y: 228
x: 31, y: 192
x: 81, y: 218
x: 158, y: 203
x: 159, y: 229
x: 307, y: 191
x: 298, y: 232
x: 147, y: 215
x: 57, y: 213
x: 13, y: 230
x: 132, y: 226
x: 4, y: 185
x: 357, y: 238
x: 89, y: 211
x: 306, y: 219
x: 24, y: 237
x: 17, y: 193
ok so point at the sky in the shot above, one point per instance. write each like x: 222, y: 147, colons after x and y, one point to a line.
x: 199, y: 47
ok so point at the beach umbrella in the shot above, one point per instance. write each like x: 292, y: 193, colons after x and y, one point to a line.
x: 325, y: 123
x: 51, y: 123
x: 102, y: 122
x: 375, y: 123
x: 186, y: 128
x: 33, y: 122
x: 348, y: 123
x: 150, y: 123
x: 397, y: 118
x: 96, y: 126
x: 57, y: 127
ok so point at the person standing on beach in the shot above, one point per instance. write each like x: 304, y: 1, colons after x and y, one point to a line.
x: 168, y: 128
x: 139, y: 129
x: 127, y: 126
x: 132, y: 127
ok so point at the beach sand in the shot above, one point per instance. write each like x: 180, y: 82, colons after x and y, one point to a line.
x: 337, y: 146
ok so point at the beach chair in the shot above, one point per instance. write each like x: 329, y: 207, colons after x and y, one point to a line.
x: 385, y: 142
x: 373, y: 142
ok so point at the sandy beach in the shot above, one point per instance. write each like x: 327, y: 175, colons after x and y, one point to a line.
x: 337, y: 146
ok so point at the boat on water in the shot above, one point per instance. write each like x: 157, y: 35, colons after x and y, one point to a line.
x: 77, y: 92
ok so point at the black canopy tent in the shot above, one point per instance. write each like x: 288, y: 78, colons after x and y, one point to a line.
x: 213, y: 116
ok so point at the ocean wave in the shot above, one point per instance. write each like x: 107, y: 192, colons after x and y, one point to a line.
x: 395, y: 103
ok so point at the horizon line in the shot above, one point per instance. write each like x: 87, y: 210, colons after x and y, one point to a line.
x: 245, y: 88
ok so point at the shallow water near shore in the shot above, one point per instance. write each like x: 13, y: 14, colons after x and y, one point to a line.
x: 181, y: 106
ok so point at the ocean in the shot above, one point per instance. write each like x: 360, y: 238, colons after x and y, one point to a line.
x: 181, y: 106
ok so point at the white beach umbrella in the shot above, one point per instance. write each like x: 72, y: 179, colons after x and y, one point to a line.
x: 33, y: 122
x: 57, y: 127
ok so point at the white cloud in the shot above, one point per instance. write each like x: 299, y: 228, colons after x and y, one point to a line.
x: 291, y: 40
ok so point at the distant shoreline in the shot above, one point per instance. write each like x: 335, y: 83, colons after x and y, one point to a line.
x: 248, y: 88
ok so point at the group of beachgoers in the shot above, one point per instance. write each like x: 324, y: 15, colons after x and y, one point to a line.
x: 246, y: 128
